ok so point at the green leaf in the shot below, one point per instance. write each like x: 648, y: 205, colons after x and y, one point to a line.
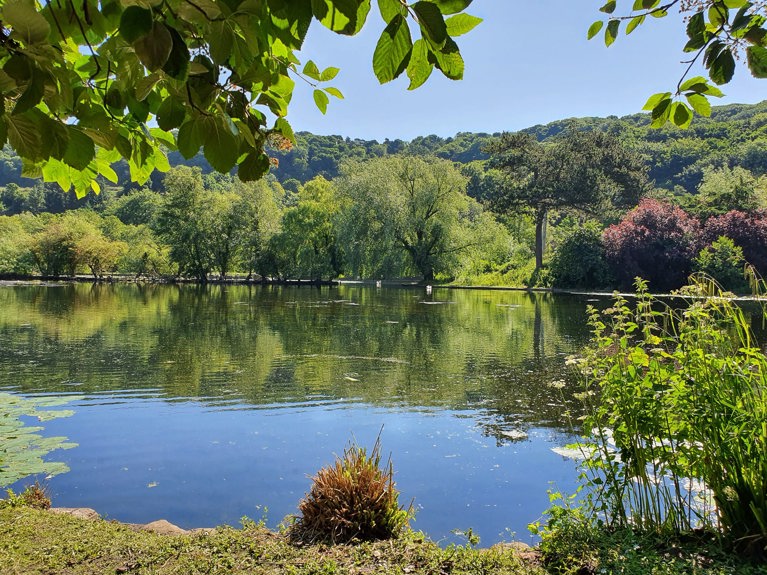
x: 311, y: 70
x: 24, y: 136
x: 656, y: 99
x: 189, y: 138
x: 650, y: 4
x: 452, y: 6
x: 284, y: 128
x: 177, y: 64
x: 32, y: 94
x: 611, y: 33
x: 392, y: 51
x: 757, y: 61
x: 171, y: 114
x: 680, y: 115
x: 419, y: 68
x: 321, y: 99
x: 449, y: 60
x: 220, y: 41
x: 341, y: 16
x: 700, y: 104
x: 693, y: 83
x: 135, y: 22
x: 328, y: 74
x: 80, y: 149
x: 334, y: 92
x: 27, y: 24
x: 636, y: 21
x: 254, y: 167
x: 594, y: 29
x: 432, y: 24
x: 145, y: 85
x: 221, y: 145
x: 154, y: 48
x: 660, y: 113
x: 722, y: 67
x: 609, y: 8
x: 390, y: 8
x: 461, y: 24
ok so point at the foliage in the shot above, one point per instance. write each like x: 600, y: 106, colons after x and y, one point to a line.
x: 716, y: 30
x: 580, y: 261
x: 588, y: 171
x: 354, y: 499
x: 23, y: 448
x: 725, y: 189
x: 34, y: 496
x: 655, y: 241
x: 747, y: 230
x: 137, y: 207
x: 723, y: 261
x: 93, y: 76
x: 677, y: 411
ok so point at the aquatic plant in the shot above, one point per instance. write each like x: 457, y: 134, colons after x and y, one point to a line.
x: 22, y: 448
x: 353, y: 499
x: 677, y: 419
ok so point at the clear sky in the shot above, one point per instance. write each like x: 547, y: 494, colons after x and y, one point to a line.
x: 528, y: 63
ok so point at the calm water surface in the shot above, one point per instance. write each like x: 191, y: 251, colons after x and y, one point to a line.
x: 204, y: 405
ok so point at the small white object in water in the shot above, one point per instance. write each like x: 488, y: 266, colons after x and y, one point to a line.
x: 571, y: 452
x: 152, y: 484
x: 515, y: 434
x: 428, y: 289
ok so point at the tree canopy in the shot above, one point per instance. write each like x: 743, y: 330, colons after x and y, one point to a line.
x: 82, y: 84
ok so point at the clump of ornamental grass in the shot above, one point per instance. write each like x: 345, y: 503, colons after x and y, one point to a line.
x: 35, y: 496
x: 355, y: 498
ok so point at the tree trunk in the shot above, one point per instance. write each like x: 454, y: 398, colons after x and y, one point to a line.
x: 540, y: 237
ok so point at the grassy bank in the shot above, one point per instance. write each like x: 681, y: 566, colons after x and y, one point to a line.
x: 36, y: 542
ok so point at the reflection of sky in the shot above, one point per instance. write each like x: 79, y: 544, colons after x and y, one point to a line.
x: 182, y: 461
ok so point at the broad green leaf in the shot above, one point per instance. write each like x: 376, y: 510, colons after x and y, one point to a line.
x: 145, y: 85
x: 199, y: 11
x: 334, y: 92
x: 189, y: 138
x: 32, y: 94
x: 594, y: 29
x: 757, y: 61
x: 611, y: 33
x: 80, y: 149
x: 392, y: 51
x: 135, y: 22
x: 722, y: 67
x: 24, y: 135
x: 452, y: 6
x: 329, y: 73
x: 660, y: 113
x: 153, y: 49
x: 680, y: 115
x: 254, y: 167
x: 717, y: 15
x: 26, y: 23
x: 56, y: 171
x: 321, y: 100
x: 735, y: 4
x: 171, y: 114
x: 700, y: 104
x: 419, y: 68
x: 342, y: 16
x: 461, y: 24
x: 221, y: 41
x: 311, y: 70
x: 390, y: 8
x: 656, y: 99
x: 283, y: 127
x: 650, y: 4
x: 609, y: 7
x: 450, y: 61
x: 220, y: 145
x: 693, y: 84
x: 633, y: 23
x: 432, y: 24
x: 177, y: 64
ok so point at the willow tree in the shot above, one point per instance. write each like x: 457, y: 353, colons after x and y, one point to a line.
x: 586, y: 171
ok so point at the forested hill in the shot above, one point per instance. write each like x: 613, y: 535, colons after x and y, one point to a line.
x: 734, y: 135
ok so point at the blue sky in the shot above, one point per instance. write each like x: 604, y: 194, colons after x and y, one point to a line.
x: 527, y: 63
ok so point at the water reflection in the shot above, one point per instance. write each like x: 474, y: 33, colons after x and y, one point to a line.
x: 229, y: 396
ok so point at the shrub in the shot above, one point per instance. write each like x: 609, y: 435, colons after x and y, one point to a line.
x: 678, y: 405
x: 747, y: 229
x: 353, y: 499
x: 724, y: 262
x: 35, y: 496
x: 655, y: 241
x: 579, y: 261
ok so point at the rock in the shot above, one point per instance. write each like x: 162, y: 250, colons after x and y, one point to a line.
x: 514, y: 435
x: 79, y: 512
x: 511, y: 545
x: 164, y: 528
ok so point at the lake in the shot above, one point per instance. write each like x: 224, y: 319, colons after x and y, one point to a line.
x: 201, y: 405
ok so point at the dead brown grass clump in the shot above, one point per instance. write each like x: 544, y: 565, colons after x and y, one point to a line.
x: 353, y: 499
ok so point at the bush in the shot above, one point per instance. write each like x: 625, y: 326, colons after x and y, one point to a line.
x: 579, y: 261
x: 353, y: 499
x: 723, y: 261
x: 655, y: 241
x: 747, y: 229
x: 34, y: 496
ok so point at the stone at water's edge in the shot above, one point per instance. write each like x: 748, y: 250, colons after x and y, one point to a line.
x: 164, y: 528
x: 161, y: 526
x: 79, y: 512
